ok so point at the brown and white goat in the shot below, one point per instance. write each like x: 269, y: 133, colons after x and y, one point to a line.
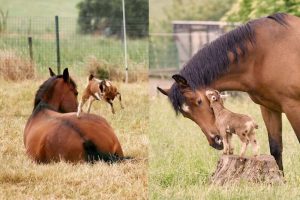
x: 229, y: 123
x: 97, y: 90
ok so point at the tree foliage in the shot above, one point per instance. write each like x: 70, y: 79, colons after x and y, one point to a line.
x: 244, y: 10
x: 199, y: 10
x: 105, y: 16
x: 207, y: 10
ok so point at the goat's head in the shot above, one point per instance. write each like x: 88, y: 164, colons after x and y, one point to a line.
x: 214, y: 96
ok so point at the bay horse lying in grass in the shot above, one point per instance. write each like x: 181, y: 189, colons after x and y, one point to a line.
x: 261, y: 58
x: 97, y: 90
x: 54, y: 133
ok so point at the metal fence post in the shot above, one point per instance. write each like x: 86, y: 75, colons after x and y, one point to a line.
x: 57, y: 44
x: 125, y: 42
x: 30, y: 49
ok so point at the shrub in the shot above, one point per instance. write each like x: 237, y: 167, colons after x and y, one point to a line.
x: 13, y: 67
x: 104, y: 70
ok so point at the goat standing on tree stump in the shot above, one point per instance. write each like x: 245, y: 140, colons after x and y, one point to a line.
x: 229, y: 123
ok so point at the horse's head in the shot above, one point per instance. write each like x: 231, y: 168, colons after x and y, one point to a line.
x: 194, y: 105
x: 64, y: 92
x: 59, y: 92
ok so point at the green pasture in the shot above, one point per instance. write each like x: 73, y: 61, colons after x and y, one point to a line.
x: 77, y: 50
x: 181, y: 161
x: 40, y: 8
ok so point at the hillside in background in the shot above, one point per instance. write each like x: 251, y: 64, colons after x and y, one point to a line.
x: 40, y: 8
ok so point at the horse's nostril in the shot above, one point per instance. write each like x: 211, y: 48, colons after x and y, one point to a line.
x: 218, y: 139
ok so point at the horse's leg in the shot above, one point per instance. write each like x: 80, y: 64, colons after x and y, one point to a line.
x: 293, y: 114
x: 120, y: 99
x: 91, y: 99
x: 273, y: 124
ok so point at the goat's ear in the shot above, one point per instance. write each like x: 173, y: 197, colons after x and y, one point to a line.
x: 224, y: 96
x: 180, y: 80
x: 102, y: 86
x: 66, y: 76
x: 209, y: 92
x: 216, y: 91
x: 163, y: 91
x: 51, y: 72
x: 91, y: 77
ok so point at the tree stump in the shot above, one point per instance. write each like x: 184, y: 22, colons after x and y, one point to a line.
x: 233, y: 169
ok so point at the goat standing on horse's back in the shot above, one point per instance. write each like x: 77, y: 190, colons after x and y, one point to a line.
x: 96, y: 90
x: 54, y: 133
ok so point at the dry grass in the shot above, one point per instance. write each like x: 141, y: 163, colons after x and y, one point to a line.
x: 13, y: 67
x: 20, y: 178
x: 181, y: 161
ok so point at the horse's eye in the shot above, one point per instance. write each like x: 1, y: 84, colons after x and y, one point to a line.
x: 199, y: 102
x: 76, y: 93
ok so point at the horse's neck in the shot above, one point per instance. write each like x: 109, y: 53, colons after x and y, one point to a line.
x: 43, y: 106
x: 239, y: 76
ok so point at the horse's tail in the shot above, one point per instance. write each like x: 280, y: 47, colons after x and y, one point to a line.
x: 93, y: 154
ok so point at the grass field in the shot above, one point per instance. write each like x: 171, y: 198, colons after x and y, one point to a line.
x: 76, y: 50
x: 40, y: 8
x: 20, y: 178
x: 181, y: 161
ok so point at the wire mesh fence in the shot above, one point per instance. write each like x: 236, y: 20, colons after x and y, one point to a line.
x: 168, y: 52
x: 76, y: 49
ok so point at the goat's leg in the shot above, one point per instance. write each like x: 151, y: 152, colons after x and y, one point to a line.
x: 254, y: 144
x: 120, y: 99
x: 225, y: 144
x: 80, y: 105
x: 273, y: 123
x: 111, y: 105
x: 91, y: 100
x: 230, y: 147
x: 244, y: 148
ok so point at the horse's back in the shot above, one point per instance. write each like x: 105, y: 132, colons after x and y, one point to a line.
x: 62, y: 137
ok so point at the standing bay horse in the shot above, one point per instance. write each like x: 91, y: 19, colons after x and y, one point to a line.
x: 261, y: 58
x: 54, y: 133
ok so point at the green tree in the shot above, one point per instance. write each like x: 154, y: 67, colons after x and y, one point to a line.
x: 244, y: 10
x: 209, y: 10
x: 105, y: 16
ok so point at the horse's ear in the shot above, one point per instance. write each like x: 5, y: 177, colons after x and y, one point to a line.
x: 164, y: 91
x: 180, y: 80
x: 66, y: 76
x: 51, y: 72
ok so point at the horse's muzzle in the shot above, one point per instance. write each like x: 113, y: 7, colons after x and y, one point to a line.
x: 217, y: 142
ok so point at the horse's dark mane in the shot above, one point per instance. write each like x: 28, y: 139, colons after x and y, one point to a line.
x: 210, y: 62
x: 279, y: 18
x: 47, y: 87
